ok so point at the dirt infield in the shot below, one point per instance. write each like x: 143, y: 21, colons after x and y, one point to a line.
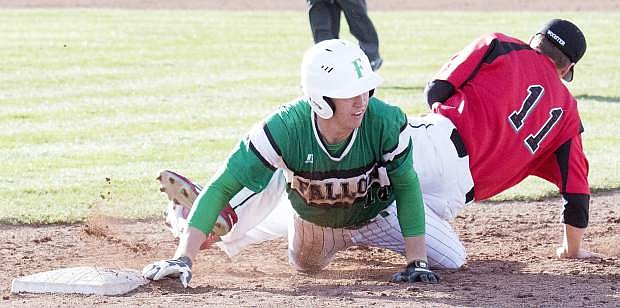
x: 510, y: 263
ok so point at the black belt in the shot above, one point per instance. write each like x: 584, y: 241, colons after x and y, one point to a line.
x: 359, y: 224
x: 366, y: 222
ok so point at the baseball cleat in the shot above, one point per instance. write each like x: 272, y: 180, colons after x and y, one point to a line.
x: 376, y: 63
x: 182, y: 193
x: 225, y: 221
x: 180, y: 190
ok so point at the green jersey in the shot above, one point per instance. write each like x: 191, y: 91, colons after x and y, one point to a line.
x: 333, y: 185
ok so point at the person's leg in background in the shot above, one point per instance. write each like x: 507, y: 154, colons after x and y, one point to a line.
x: 324, y: 18
x: 362, y: 28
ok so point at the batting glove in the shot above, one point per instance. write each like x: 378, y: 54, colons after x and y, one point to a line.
x: 180, y: 267
x: 415, y: 271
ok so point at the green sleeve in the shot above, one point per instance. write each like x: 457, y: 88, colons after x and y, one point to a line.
x: 248, y: 168
x: 245, y: 167
x: 409, y: 202
x: 212, y: 200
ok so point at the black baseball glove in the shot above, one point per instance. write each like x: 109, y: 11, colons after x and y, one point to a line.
x: 415, y: 271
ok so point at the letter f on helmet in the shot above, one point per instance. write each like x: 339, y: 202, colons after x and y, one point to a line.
x: 336, y: 69
x: 358, y: 67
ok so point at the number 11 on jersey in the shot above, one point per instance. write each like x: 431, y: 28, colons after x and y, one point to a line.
x: 517, y: 118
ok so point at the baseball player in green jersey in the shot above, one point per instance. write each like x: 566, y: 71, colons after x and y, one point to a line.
x: 347, y: 161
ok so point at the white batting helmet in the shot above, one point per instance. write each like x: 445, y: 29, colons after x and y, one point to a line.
x: 336, y: 69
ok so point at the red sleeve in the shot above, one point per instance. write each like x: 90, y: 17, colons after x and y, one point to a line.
x: 568, y: 168
x: 462, y: 65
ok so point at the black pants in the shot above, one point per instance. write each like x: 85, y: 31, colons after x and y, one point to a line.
x: 325, y: 23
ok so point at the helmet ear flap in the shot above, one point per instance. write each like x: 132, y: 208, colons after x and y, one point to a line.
x: 321, y: 107
x: 330, y: 102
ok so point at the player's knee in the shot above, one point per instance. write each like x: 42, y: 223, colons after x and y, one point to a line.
x: 454, y: 260
x: 457, y: 260
x: 307, y: 268
x: 452, y: 264
x: 303, y: 263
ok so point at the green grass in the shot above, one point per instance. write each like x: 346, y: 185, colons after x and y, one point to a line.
x: 92, y: 95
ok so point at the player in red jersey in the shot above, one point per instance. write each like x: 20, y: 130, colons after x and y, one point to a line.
x: 516, y: 118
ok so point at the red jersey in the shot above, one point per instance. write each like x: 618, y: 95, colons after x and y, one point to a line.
x: 515, y: 116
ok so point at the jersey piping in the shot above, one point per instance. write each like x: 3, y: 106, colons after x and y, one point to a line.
x: 319, y: 140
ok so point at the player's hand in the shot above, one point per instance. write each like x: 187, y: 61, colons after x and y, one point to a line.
x: 416, y: 271
x: 562, y: 253
x: 180, y: 267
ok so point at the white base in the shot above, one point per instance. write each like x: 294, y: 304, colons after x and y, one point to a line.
x: 81, y: 280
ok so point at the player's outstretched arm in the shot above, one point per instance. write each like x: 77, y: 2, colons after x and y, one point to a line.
x: 181, y: 264
x: 190, y: 242
x: 571, y: 246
